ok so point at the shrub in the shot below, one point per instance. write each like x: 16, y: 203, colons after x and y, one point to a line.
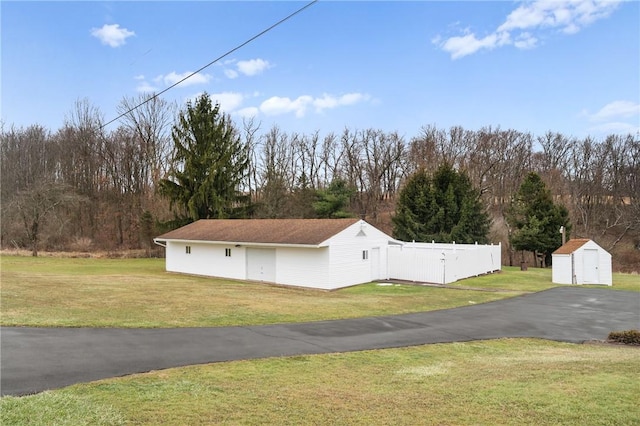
x: 627, y: 337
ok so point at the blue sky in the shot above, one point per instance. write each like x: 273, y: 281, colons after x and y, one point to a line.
x: 567, y: 66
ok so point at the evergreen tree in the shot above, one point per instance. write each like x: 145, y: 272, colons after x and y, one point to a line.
x: 443, y: 208
x: 536, y: 219
x: 209, y: 165
x: 333, y: 201
x: 415, y: 202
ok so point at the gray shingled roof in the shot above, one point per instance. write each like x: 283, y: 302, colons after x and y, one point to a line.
x: 262, y: 231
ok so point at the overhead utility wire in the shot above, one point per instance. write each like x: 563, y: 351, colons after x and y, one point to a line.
x: 213, y: 62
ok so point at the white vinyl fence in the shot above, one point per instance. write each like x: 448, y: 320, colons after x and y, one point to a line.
x: 442, y: 263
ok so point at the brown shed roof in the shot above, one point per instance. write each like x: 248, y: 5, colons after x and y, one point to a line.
x: 263, y: 231
x: 571, y: 246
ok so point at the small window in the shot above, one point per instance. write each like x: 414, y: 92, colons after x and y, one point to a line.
x: 365, y: 254
x: 227, y: 252
x: 187, y: 249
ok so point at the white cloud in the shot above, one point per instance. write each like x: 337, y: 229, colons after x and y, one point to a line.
x: 329, y: 101
x: 173, y: 78
x: 231, y: 74
x: 468, y: 44
x: 525, y: 41
x: 253, y: 66
x: 247, y: 112
x: 228, y: 101
x: 617, y: 117
x: 112, y: 35
x: 521, y: 25
x: 277, y: 105
x: 145, y: 87
x: 617, y: 109
x: 614, y: 127
x: 568, y: 15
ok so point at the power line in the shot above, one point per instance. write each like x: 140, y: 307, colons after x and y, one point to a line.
x: 213, y: 62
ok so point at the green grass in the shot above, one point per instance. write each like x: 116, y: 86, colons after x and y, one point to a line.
x: 88, y: 292
x: 63, y: 292
x: 538, y: 279
x: 506, y: 382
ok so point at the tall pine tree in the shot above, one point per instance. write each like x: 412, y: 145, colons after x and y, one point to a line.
x: 536, y: 219
x: 209, y: 165
x: 443, y: 208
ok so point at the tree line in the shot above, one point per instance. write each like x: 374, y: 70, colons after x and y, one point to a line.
x: 83, y: 187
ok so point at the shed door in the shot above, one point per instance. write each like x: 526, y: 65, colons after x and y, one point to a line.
x: 590, y: 266
x: 261, y: 264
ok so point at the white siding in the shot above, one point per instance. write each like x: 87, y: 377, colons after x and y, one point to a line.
x: 561, y: 269
x: 307, y: 267
x: 346, y: 265
x: 206, y: 259
x: 604, y: 275
x: 605, y: 268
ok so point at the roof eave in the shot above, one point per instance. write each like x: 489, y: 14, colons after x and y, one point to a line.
x: 239, y: 243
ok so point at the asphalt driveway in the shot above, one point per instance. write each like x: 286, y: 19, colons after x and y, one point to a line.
x: 37, y: 359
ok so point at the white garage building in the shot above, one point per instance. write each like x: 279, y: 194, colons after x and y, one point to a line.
x: 581, y: 261
x: 319, y: 253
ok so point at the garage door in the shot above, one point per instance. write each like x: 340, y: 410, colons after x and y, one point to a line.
x: 261, y: 264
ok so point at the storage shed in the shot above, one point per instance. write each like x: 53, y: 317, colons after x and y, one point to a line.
x: 318, y: 253
x: 581, y: 261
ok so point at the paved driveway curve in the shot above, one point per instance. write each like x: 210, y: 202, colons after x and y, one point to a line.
x: 36, y: 359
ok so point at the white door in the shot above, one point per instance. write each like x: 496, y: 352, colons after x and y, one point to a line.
x: 375, y: 263
x: 590, y: 266
x: 261, y: 264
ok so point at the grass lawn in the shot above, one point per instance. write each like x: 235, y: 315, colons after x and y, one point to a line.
x: 66, y: 292
x: 538, y: 279
x: 88, y: 292
x: 506, y: 382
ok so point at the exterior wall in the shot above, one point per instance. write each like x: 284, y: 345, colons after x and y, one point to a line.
x: 339, y: 261
x: 561, y: 269
x: 346, y: 265
x: 206, y: 259
x: 605, y: 268
x: 442, y: 263
x: 307, y: 267
x: 604, y: 275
